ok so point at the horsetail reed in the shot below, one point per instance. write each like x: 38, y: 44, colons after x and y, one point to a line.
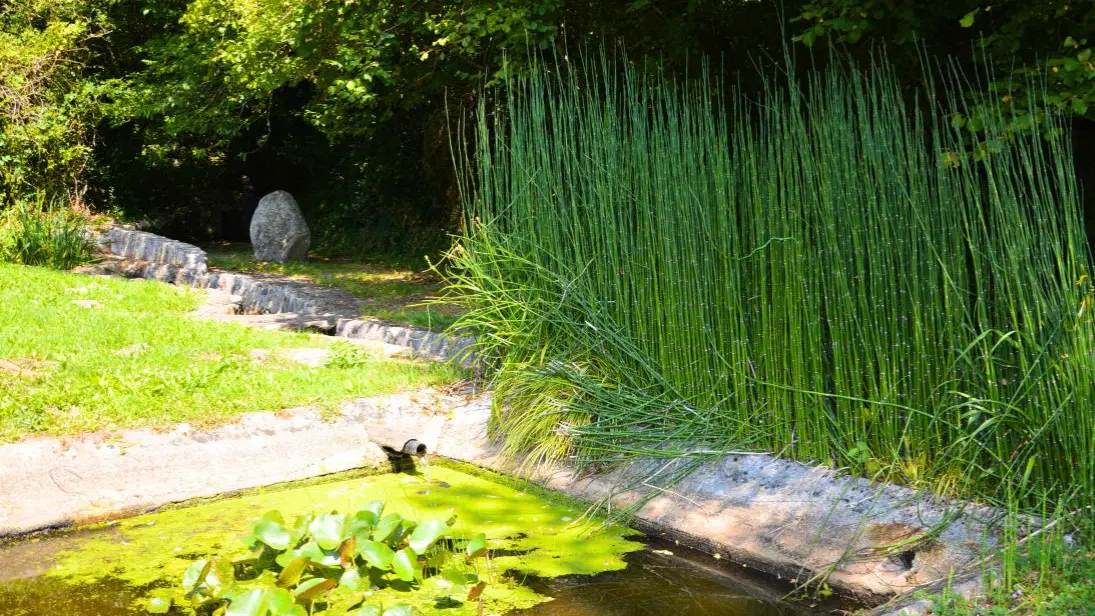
x: 832, y: 270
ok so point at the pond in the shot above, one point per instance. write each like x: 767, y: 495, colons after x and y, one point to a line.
x: 540, y: 548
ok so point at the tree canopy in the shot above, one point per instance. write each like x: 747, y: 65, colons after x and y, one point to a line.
x: 157, y: 108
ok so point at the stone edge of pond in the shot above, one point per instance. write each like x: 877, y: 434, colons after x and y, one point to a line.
x: 146, y: 255
x: 780, y: 517
x: 52, y: 483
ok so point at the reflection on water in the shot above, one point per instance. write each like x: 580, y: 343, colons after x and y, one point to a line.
x: 659, y: 584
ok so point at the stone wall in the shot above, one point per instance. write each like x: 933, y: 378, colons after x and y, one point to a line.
x: 144, y: 246
x: 151, y: 256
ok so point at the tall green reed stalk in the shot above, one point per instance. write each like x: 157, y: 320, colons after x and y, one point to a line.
x: 832, y: 269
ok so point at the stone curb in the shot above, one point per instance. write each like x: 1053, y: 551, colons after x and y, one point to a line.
x: 154, y: 257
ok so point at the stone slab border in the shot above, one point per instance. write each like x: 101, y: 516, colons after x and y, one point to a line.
x: 147, y: 255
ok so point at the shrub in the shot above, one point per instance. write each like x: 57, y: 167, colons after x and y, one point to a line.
x: 44, y: 234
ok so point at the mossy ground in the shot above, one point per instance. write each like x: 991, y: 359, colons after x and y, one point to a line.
x: 528, y: 535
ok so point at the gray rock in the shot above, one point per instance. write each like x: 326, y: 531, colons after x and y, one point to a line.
x: 278, y: 230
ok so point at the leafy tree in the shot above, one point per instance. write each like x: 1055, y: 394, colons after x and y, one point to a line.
x: 48, y: 104
x: 1022, y: 42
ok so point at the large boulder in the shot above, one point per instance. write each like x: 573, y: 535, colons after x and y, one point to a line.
x: 278, y: 230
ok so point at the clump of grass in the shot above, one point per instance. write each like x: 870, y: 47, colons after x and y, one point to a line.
x: 832, y: 270
x: 44, y: 233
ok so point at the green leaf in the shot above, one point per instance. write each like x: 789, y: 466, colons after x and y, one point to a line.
x: 313, y: 588
x: 368, y: 610
x: 405, y: 564
x: 426, y: 533
x: 361, y: 524
x: 195, y: 574
x: 375, y: 507
x: 387, y: 525
x: 280, y: 601
x: 350, y: 580
x: 1079, y: 107
x: 967, y: 19
x: 477, y: 546
x: 250, y: 603
x: 290, y: 575
x: 377, y: 554
x: 326, y: 529
x: 316, y: 554
x: 273, y: 534
x: 286, y: 558
x: 399, y: 610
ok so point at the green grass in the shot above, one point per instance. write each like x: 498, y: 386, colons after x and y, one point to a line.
x: 836, y: 270
x: 1067, y: 590
x: 131, y: 356
x: 396, y: 293
x: 43, y: 233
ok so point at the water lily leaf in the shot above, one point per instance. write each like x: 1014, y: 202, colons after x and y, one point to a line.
x: 286, y: 558
x: 159, y: 604
x: 272, y: 533
x: 368, y: 610
x: 405, y: 564
x: 399, y: 610
x: 346, y: 552
x: 350, y: 580
x: 310, y: 589
x: 280, y: 603
x: 290, y: 575
x: 274, y: 516
x: 374, y: 507
x: 316, y: 554
x: 195, y: 574
x: 362, y: 524
x: 477, y: 546
x: 250, y: 603
x: 300, y: 526
x: 476, y: 590
x: 387, y: 525
x: 426, y: 533
x: 326, y: 529
x: 377, y: 554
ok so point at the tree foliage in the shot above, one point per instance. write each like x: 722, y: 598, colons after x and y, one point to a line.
x: 1048, y: 44
x: 158, y: 108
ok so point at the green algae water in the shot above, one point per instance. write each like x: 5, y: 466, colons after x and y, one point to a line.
x: 545, y: 559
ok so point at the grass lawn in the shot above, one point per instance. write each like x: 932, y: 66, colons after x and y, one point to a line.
x: 393, y: 291
x: 83, y: 354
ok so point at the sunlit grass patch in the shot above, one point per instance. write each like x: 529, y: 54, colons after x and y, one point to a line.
x: 82, y: 354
